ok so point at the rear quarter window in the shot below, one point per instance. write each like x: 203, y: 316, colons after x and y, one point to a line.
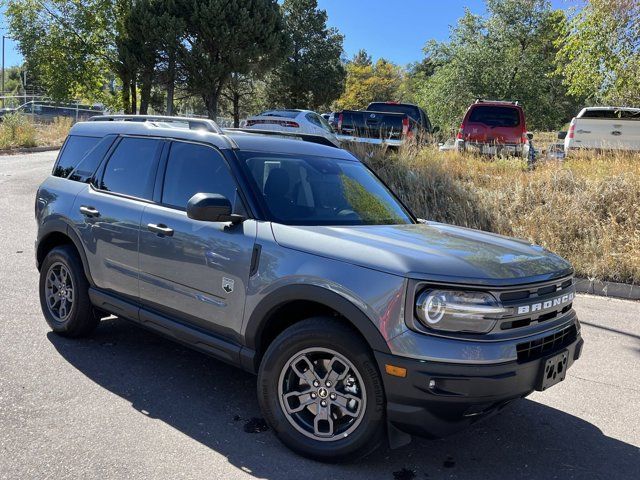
x: 495, y: 116
x: 73, y: 151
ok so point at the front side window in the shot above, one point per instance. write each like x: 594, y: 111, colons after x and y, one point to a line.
x: 308, y: 190
x: 195, y: 169
x: 131, y: 168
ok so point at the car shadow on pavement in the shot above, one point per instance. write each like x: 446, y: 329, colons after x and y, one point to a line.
x: 215, y: 404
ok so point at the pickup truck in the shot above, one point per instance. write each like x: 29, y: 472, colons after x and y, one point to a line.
x: 387, y: 123
x: 604, y: 128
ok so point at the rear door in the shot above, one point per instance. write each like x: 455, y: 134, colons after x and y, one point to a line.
x: 192, y: 270
x: 109, y: 210
x: 498, y: 124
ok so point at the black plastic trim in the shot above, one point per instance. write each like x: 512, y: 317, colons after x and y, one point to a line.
x: 260, y: 316
x: 195, y: 338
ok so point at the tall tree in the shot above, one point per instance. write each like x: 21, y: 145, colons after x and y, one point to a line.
x: 225, y: 37
x: 507, y: 54
x: 68, y: 45
x: 367, y: 82
x: 312, y: 74
x: 599, y: 56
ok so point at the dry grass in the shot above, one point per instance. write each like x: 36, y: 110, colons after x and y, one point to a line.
x: 586, y: 209
x: 53, y: 134
x: 18, y: 131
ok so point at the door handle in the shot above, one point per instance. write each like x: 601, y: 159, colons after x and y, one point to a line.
x: 160, y: 229
x: 89, y: 211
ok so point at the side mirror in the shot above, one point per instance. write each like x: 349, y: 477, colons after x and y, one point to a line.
x: 562, y: 135
x: 211, y: 207
x: 530, y: 135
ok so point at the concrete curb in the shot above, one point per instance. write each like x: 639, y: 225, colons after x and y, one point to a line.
x: 13, y: 151
x: 608, y: 289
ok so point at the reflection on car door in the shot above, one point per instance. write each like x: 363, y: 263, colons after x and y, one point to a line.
x: 198, y: 268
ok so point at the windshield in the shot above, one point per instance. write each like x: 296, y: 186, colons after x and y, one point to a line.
x: 307, y: 190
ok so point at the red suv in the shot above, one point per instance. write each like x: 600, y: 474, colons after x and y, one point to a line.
x: 495, y: 127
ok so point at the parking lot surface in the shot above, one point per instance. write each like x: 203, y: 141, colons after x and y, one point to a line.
x: 130, y: 404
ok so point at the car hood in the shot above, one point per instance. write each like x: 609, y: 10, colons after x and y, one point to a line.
x: 430, y: 251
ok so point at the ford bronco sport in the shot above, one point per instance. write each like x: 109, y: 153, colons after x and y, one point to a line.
x: 289, y: 258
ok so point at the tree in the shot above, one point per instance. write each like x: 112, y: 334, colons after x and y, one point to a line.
x: 312, y: 73
x: 367, y: 82
x: 225, y: 37
x: 508, y: 54
x: 599, y: 56
x: 67, y: 45
x: 238, y: 88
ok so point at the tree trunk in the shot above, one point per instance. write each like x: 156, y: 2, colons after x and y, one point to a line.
x: 171, y: 82
x: 236, y: 109
x: 211, y: 102
x: 126, y: 99
x: 145, y: 90
x: 134, y: 98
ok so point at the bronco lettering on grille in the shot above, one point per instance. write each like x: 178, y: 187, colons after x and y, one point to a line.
x: 554, y: 302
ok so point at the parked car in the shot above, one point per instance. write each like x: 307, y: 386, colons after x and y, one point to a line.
x: 292, y: 121
x: 604, y: 128
x: 46, y: 112
x: 388, y: 123
x: 492, y: 127
x: 292, y: 260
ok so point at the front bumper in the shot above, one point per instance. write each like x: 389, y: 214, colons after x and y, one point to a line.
x: 463, y: 393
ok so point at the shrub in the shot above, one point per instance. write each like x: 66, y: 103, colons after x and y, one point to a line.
x: 17, y: 131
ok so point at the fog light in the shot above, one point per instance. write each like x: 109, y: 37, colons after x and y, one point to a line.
x: 432, y: 384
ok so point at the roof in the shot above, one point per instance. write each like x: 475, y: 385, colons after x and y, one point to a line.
x: 280, y: 144
x: 255, y: 140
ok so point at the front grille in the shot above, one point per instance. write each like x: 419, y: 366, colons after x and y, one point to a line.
x: 535, y: 291
x: 536, y: 295
x: 538, y: 348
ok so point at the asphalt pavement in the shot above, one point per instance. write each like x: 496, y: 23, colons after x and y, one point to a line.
x: 129, y: 404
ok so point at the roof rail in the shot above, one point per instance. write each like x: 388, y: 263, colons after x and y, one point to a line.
x: 307, y: 137
x: 482, y: 100
x: 194, y: 123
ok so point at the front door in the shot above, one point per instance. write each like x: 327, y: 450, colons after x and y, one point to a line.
x: 192, y: 270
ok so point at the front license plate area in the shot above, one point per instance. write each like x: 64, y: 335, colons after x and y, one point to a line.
x: 554, y: 370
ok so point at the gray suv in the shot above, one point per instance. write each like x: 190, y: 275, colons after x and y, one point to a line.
x: 289, y: 258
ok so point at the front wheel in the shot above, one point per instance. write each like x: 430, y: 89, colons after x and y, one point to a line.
x: 320, y: 390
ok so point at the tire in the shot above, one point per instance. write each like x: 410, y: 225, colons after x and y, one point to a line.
x: 355, y: 401
x: 63, y: 282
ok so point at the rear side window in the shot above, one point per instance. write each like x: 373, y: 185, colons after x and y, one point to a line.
x: 75, y: 148
x: 131, y: 169
x: 195, y: 169
x: 89, y: 163
x: 495, y: 116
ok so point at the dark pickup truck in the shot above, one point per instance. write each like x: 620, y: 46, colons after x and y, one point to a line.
x: 388, y: 123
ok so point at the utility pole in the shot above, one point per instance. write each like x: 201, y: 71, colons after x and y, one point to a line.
x: 3, y: 71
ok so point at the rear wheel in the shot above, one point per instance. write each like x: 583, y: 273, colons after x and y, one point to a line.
x: 64, y: 294
x: 320, y: 390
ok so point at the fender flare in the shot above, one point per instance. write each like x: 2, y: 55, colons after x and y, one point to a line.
x: 359, y: 320
x: 57, y: 225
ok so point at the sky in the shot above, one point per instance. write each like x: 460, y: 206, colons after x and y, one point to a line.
x: 394, y: 29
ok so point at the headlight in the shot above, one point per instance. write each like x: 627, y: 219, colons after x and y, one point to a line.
x: 458, y: 311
